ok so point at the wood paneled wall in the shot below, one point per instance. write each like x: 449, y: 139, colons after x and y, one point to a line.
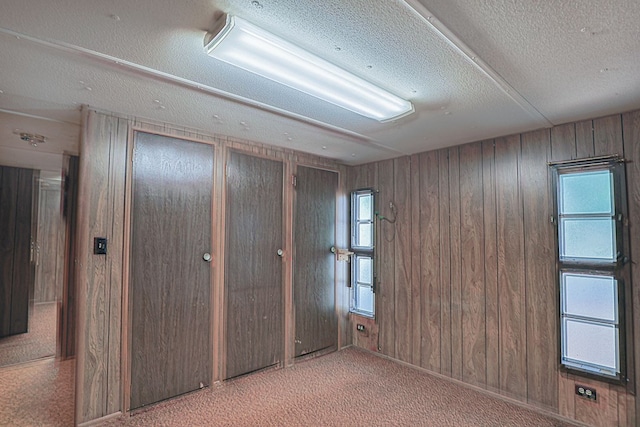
x: 467, y: 283
x: 102, y: 341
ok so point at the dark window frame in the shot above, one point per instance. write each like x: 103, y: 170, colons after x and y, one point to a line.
x: 617, y: 268
x: 361, y: 251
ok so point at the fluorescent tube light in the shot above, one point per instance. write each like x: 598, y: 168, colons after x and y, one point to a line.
x: 251, y: 48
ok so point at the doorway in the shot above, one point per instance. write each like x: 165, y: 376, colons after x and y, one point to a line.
x: 316, y: 322
x: 33, y: 264
x: 170, y: 270
x: 253, y: 264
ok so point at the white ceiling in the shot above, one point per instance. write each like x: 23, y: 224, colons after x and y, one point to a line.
x: 474, y: 69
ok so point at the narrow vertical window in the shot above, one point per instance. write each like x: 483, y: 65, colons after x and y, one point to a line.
x: 362, y: 246
x: 589, y: 224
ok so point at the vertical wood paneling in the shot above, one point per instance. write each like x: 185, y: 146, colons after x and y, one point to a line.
x: 92, y: 359
x: 385, y: 253
x: 69, y: 296
x: 631, y: 123
x: 362, y: 176
x: 456, y: 263
x: 445, y: 263
x: 16, y: 271
x: 563, y: 147
x: 22, y: 271
x: 116, y: 196
x: 584, y: 139
x: 472, y: 277
x: 607, y: 136
x: 47, y: 278
x: 539, y: 256
x: 563, y: 142
x: 415, y: 296
x: 603, y: 412
x: 8, y: 213
x: 429, y: 235
x: 502, y: 210
x: 513, y: 368
x: 402, y: 241
x: 492, y: 315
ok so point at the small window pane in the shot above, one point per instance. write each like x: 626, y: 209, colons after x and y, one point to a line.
x: 365, y: 235
x: 590, y: 296
x: 365, y: 211
x: 589, y: 238
x: 364, y: 270
x: 364, y: 299
x: 591, y: 343
x: 588, y: 192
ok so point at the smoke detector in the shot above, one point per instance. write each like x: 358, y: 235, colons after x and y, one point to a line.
x: 32, y: 138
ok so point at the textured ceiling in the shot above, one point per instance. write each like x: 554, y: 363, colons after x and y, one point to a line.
x: 473, y: 69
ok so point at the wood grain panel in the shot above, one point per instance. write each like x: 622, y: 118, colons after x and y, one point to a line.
x: 445, y: 264
x: 22, y: 267
x: 631, y: 123
x: 48, y: 278
x: 170, y: 282
x: 563, y: 142
x: 8, y: 211
x: 491, y: 266
x: 566, y: 396
x: 584, y: 139
x: 253, y: 269
x: 115, y: 234
x: 316, y: 325
x: 402, y: 279
x: 563, y: 147
x: 456, y: 263
x: 69, y: 295
x: 385, y: 257
x: 415, y: 296
x: 363, y: 176
x: 541, y: 287
x: 607, y: 136
x: 429, y: 234
x: 511, y: 283
x: 91, y: 272
x: 604, y: 411
x: 473, y: 295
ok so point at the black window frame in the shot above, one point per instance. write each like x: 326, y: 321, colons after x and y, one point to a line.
x: 617, y: 268
x: 362, y: 251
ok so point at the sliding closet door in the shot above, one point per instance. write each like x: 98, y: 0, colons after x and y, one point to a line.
x: 253, y: 267
x: 170, y: 279
x: 314, y: 267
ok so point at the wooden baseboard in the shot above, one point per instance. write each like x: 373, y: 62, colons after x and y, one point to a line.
x: 486, y: 392
x: 100, y: 420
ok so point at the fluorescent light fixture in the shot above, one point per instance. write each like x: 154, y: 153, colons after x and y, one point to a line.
x: 251, y: 48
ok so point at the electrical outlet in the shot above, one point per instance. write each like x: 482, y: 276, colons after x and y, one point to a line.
x: 360, y: 327
x: 586, y: 392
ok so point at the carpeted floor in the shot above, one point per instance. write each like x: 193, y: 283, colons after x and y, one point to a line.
x: 38, y: 343
x: 37, y: 394
x: 349, y: 387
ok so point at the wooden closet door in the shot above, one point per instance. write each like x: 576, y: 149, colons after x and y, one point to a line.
x: 314, y: 264
x: 253, y: 268
x: 16, y: 268
x: 170, y: 280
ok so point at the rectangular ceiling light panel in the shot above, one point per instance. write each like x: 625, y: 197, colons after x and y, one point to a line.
x: 251, y: 48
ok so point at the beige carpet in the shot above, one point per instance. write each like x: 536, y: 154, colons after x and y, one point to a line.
x: 37, y: 394
x: 347, y: 388
x: 38, y: 343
